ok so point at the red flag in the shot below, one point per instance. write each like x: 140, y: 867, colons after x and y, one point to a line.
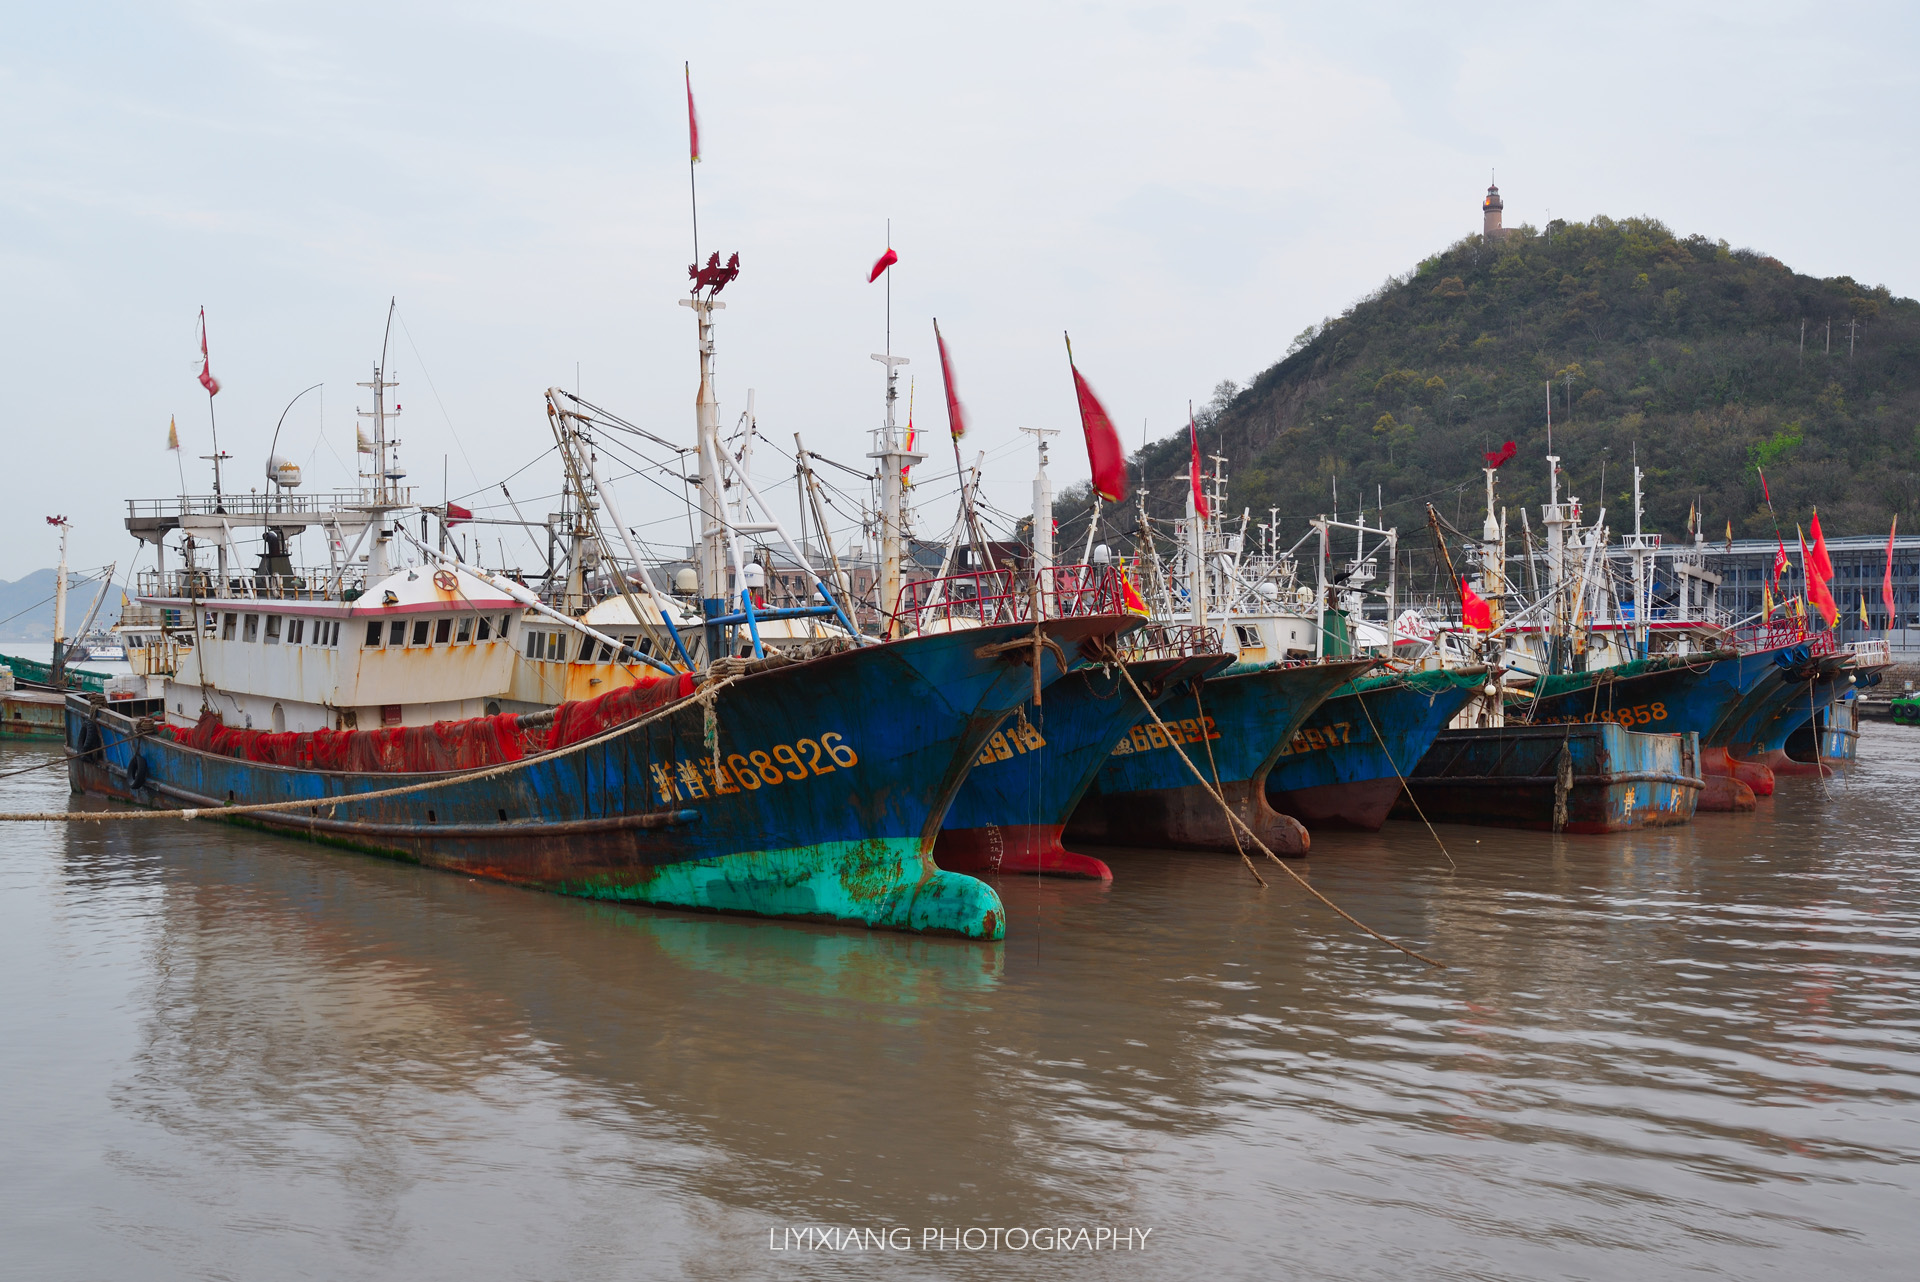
x: 1818, y: 596
x: 1109, y: 461
x: 1764, y: 491
x: 1193, y: 472
x: 1780, y: 563
x: 456, y: 514
x: 693, y: 121
x: 956, y: 417
x: 1821, y: 561
x: 1506, y: 452
x: 207, y: 380
x: 1474, y: 610
x: 1886, y: 582
x: 1130, y: 597
x: 881, y: 264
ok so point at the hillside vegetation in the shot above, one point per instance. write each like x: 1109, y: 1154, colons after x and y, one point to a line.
x: 1680, y: 348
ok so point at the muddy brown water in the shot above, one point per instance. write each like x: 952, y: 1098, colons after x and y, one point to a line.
x: 1680, y: 1054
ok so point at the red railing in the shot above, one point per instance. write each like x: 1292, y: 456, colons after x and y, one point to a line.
x: 1778, y: 632
x: 1008, y: 596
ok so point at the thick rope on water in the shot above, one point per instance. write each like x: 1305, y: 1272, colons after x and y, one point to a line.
x: 703, y: 697
x: 1261, y: 845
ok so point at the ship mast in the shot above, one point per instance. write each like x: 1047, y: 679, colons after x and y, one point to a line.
x: 711, y: 551
x: 1042, y: 518
x: 383, y: 494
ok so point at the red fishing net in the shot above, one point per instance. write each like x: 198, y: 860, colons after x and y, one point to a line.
x: 445, y: 745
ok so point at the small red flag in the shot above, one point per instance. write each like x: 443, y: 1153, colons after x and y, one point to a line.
x: 881, y: 264
x: 207, y: 380
x: 1886, y: 581
x: 1193, y: 471
x: 1781, y: 564
x: 1109, y: 461
x: 1505, y: 453
x: 1130, y: 596
x: 956, y: 417
x: 1474, y: 610
x: 457, y: 514
x: 1821, y: 561
x: 693, y: 121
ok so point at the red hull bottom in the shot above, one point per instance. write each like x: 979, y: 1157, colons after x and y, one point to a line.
x: 1015, y: 848
x: 1725, y: 794
x: 1718, y: 761
x: 1781, y: 764
x: 1361, y: 806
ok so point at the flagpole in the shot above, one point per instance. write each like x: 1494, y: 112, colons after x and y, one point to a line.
x: 693, y: 158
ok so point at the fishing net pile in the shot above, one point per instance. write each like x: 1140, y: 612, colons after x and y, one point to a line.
x: 469, y: 744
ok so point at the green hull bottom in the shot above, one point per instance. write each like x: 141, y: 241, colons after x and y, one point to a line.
x: 883, y: 883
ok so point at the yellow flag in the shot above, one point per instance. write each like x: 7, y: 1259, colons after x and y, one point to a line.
x: 1766, y: 602
x: 173, y: 434
x: 1863, y: 609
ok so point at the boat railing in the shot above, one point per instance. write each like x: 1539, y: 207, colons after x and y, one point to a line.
x: 1168, y: 641
x: 319, y: 583
x: 257, y: 507
x: 1775, y: 633
x: 987, y: 597
x: 1875, y: 651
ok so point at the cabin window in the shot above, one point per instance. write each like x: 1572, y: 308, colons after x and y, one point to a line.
x: 557, y: 647
x: 250, y: 628
x: 442, y: 631
x: 397, y: 632
x: 373, y: 633
x: 1249, y: 636
x: 226, y: 627
x: 506, y: 626
x: 466, y: 629
x: 484, y: 623
x: 328, y: 633
x: 212, y: 624
x: 606, y: 652
x: 273, y: 629
x: 297, y: 631
x: 419, y: 631
x: 536, y: 645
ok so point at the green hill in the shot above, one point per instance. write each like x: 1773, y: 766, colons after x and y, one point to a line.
x: 1682, y: 348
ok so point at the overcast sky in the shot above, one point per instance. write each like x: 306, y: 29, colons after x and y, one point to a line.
x: 1183, y: 187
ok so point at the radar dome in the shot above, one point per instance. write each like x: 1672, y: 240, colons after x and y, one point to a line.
x: 283, y: 472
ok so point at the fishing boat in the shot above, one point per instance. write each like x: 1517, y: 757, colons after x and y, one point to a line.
x: 1012, y: 811
x: 1559, y: 754
x: 1232, y: 727
x: 1345, y: 767
x: 1584, y: 777
x: 364, y: 699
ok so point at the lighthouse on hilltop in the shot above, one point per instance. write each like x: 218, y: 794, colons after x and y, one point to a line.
x: 1490, y: 208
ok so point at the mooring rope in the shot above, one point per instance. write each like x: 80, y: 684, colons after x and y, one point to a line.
x: 1262, y: 846
x: 703, y: 697
x: 1405, y: 787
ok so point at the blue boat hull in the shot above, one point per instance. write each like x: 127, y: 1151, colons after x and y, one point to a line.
x: 1577, y: 777
x: 1233, y: 729
x: 1013, y: 808
x: 818, y: 797
x: 1343, y: 768
x: 1698, y: 695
